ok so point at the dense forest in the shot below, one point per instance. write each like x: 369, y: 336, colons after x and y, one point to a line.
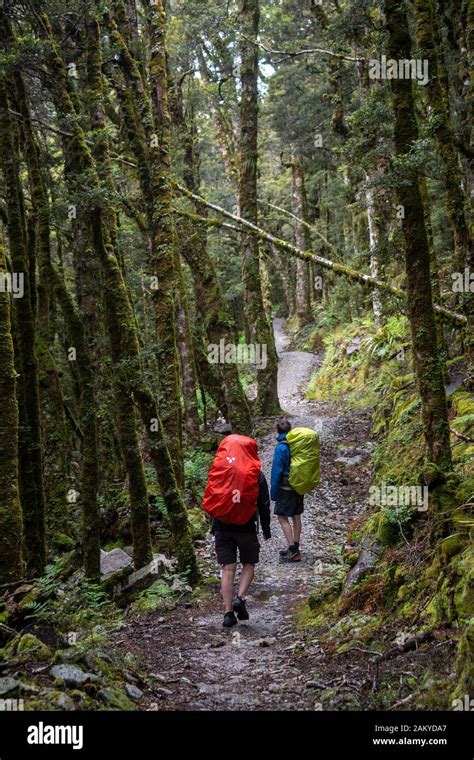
x: 214, y: 214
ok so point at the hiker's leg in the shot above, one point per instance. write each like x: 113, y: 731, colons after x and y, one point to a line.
x: 286, y: 528
x: 246, y: 578
x: 227, y: 585
x: 297, y: 528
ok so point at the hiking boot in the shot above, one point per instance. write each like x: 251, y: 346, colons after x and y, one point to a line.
x: 229, y: 620
x: 292, y: 554
x: 239, y: 607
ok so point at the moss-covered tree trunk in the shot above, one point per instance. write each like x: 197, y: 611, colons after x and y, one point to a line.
x: 162, y: 254
x: 417, y: 255
x: 188, y: 364
x: 210, y: 302
x: 11, y: 524
x: 298, y: 207
x: 429, y: 44
x: 437, y: 96
x: 122, y: 331
x: 259, y: 329
x: 53, y: 418
x: 120, y: 317
x: 282, y: 266
x: 30, y: 445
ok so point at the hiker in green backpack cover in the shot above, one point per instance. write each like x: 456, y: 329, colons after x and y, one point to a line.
x: 295, y: 472
x: 288, y: 504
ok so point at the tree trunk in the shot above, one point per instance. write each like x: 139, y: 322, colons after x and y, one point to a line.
x: 288, y: 290
x: 374, y: 242
x: 261, y: 333
x: 210, y: 302
x: 162, y: 263
x: 428, y: 44
x: 11, y: 526
x: 123, y: 322
x: 417, y: 256
x: 30, y: 446
x: 298, y: 207
x: 120, y: 317
x: 188, y: 365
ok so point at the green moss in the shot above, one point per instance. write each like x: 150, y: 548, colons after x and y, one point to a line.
x: 63, y: 542
x: 115, y: 699
x: 465, y: 663
x: 464, y: 592
x: 26, y: 648
x: 388, y: 531
x: 452, y: 545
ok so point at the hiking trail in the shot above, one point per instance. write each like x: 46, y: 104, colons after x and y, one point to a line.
x: 264, y: 663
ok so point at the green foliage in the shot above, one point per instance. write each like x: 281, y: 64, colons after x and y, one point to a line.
x: 159, y: 596
x: 388, y: 339
x: 75, y: 604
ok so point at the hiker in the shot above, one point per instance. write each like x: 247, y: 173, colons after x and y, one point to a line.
x: 236, y: 496
x: 288, y: 503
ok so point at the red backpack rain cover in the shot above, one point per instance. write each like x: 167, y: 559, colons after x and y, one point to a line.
x: 232, y: 487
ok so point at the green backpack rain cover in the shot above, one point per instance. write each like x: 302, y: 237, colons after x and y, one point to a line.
x: 304, y: 467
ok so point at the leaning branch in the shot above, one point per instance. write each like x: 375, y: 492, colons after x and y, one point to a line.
x: 341, y: 269
x: 307, y: 51
x: 308, y: 226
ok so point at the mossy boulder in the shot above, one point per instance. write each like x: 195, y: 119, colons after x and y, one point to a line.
x: 465, y: 663
x: 452, y: 545
x: 199, y: 523
x: 464, y: 593
x: 115, y: 699
x: 26, y: 648
x: 388, y: 531
x: 63, y: 542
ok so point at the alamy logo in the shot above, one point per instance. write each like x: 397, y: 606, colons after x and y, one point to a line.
x: 11, y: 704
x: 404, y: 68
x: 399, y: 496
x: 241, y: 353
x: 41, y: 734
x: 12, y: 282
x: 230, y: 459
x: 463, y: 282
x: 465, y: 704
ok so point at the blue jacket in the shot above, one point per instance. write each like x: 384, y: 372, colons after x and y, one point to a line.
x: 280, y: 465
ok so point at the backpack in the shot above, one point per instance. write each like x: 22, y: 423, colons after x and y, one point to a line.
x: 304, y: 465
x: 232, y: 487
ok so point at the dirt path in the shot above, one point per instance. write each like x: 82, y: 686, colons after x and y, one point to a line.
x: 263, y: 663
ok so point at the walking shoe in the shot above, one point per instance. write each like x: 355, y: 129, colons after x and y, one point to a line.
x: 284, y: 552
x: 294, y: 554
x: 239, y: 607
x: 229, y: 620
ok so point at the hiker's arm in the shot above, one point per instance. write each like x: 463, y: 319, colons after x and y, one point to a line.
x: 278, y: 468
x: 263, y: 505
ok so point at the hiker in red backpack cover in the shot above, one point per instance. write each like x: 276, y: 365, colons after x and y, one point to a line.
x: 236, y: 496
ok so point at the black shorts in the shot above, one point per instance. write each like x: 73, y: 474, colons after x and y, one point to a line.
x: 288, y: 503
x: 227, y: 543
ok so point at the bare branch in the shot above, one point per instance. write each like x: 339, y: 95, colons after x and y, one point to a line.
x: 288, y: 54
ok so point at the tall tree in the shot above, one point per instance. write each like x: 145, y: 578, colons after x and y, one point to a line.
x: 417, y: 255
x: 258, y: 326
x: 298, y: 206
x: 11, y: 524
x: 429, y: 47
x: 30, y: 446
